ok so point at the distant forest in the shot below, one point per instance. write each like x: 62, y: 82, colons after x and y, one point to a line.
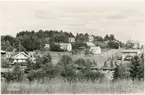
x: 32, y: 40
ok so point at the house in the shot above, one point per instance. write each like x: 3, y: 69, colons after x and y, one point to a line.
x: 91, y: 38
x: 136, y: 45
x: 128, y: 54
x: 21, y: 57
x: 47, y: 46
x: 95, y: 50
x: 65, y: 46
x: 71, y: 39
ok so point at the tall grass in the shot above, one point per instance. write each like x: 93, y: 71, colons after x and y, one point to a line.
x: 61, y: 86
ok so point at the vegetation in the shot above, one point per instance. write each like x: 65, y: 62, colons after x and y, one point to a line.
x: 32, y: 40
x: 5, y: 63
x: 57, y: 86
x: 137, y: 68
x: 68, y: 76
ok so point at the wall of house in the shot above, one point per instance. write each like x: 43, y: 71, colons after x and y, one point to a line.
x: 125, y: 54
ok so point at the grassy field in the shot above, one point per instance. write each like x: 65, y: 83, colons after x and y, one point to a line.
x: 88, y: 87
x: 60, y: 86
x: 98, y: 58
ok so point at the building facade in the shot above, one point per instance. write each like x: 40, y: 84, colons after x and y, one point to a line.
x: 71, y: 39
x: 130, y: 53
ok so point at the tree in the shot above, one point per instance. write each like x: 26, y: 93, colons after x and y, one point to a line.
x: 129, y: 44
x: 113, y: 44
x: 111, y: 37
x: 17, y: 73
x: 98, y: 38
x: 106, y: 38
x: 137, y: 68
x: 55, y: 47
x: 7, y: 46
x: 66, y: 67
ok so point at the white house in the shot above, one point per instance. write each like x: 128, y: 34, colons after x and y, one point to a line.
x: 71, y: 39
x: 91, y: 38
x: 21, y: 57
x: 136, y: 45
x: 47, y: 46
x: 95, y: 50
x: 66, y: 46
x: 130, y: 53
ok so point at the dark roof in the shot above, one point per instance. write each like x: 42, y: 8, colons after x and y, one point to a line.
x: 109, y: 65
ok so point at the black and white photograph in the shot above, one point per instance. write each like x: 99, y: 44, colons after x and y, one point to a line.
x: 72, y: 46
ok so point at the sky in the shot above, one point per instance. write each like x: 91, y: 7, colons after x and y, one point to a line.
x: 123, y: 18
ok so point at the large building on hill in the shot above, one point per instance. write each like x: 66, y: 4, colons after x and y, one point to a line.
x: 90, y: 38
x: 71, y: 39
x: 65, y: 46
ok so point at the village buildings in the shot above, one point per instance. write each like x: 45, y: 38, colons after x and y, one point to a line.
x: 21, y: 57
x: 91, y: 38
x: 65, y: 46
x: 92, y: 47
x: 71, y: 39
x: 128, y: 54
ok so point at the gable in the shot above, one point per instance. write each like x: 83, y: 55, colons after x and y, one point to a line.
x: 21, y: 55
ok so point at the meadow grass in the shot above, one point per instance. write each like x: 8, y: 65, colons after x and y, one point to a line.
x: 79, y: 87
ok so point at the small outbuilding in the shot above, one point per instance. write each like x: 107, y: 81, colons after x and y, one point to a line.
x: 128, y: 54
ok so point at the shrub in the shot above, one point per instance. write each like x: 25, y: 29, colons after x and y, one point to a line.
x: 42, y: 68
x: 50, y: 70
x: 55, y: 47
x: 35, y: 75
x: 42, y: 60
x: 113, y: 44
x: 66, y: 67
x: 16, y: 75
x: 5, y: 63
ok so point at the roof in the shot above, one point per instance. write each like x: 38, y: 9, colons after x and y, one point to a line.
x: 131, y: 51
x: 21, y: 55
x: 109, y: 65
x: 3, y: 52
x: 95, y: 47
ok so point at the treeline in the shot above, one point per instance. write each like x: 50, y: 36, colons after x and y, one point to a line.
x: 31, y: 40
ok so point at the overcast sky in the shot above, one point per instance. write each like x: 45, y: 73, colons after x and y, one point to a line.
x: 124, y: 19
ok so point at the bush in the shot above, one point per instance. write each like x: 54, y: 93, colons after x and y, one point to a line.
x: 42, y: 68
x: 16, y: 75
x: 55, y: 47
x: 5, y: 63
x: 85, y: 70
x: 66, y: 67
x: 35, y: 75
x: 122, y: 72
x: 112, y: 44
x: 42, y: 60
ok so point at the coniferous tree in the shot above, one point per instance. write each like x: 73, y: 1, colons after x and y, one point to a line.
x: 137, y: 68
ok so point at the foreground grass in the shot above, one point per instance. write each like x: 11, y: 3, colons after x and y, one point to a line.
x: 60, y: 86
